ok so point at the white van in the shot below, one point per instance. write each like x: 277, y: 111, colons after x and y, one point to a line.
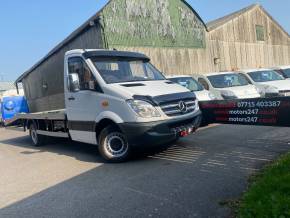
x: 272, y: 83
x: 116, y: 100
x: 228, y: 85
x: 283, y: 70
x: 190, y: 83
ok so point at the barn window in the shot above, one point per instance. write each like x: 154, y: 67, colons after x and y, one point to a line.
x: 260, y: 33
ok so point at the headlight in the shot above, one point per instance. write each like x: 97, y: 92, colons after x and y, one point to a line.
x: 143, y: 108
x: 260, y: 91
x: 271, y: 89
x: 211, y: 96
x: 196, y: 105
x: 227, y: 94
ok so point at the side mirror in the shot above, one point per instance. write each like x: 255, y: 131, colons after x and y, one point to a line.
x: 74, y: 82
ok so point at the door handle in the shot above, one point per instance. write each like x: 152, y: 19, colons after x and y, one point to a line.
x: 71, y: 99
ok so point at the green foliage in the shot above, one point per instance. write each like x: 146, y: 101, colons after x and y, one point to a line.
x: 157, y: 23
x: 269, y: 195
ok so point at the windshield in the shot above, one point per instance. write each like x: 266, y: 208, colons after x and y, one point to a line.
x: 265, y: 76
x: 286, y: 72
x: 120, y: 70
x: 227, y: 80
x: 188, y: 82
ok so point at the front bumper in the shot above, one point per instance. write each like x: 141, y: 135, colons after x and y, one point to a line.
x: 160, y: 132
x: 285, y: 93
x: 272, y: 95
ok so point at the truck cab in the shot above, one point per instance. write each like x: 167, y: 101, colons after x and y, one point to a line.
x: 119, y: 100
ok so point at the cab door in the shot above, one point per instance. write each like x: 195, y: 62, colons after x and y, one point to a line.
x: 82, y: 97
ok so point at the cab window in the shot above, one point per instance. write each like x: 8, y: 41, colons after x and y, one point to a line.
x: 86, y: 78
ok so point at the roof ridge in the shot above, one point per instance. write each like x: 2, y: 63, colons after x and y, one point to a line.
x: 222, y: 20
x: 274, y: 20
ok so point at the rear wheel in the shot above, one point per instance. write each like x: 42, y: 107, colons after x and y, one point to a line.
x: 113, y: 145
x: 36, y: 139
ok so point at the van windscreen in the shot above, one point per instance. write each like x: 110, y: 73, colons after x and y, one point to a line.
x: 119, y: 70
x: 286, y: 72
x: 265, y: 76
x: 227, y: 80
x: 188, y: 82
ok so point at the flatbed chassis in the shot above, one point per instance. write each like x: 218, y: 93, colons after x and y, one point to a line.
x: 45, y: 121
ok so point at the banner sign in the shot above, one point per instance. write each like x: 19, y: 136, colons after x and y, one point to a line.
x: 258, y: 111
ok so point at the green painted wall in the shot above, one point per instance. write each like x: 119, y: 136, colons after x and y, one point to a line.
x: 155, y: 23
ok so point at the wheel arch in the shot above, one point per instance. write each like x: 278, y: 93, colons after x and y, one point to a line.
x: 40, y: 124
x: 28, y: 122
x: 105, y: 122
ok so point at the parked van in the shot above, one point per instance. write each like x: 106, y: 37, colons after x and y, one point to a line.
x: 116, y: 100
x: 190, y: 83
x: 283, y: 70
x: 272, y: 83
x: 228, y: 85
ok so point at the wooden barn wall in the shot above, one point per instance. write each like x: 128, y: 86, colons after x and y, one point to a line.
x: 232, y: 56
x: 177, y: 61
x: 236, y: 45
x: 50, y: 73
x: 242, y: 29
x: 239, y: 55
x: 233, y: 45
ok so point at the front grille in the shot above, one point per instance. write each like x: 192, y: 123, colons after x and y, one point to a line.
x: 284, y: 91
x: 172, y: 108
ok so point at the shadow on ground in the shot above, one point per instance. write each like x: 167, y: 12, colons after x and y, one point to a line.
x: 189, y: 179
x: 78, y: 150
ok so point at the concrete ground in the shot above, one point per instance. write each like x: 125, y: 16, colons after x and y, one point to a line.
x: 190, y: 179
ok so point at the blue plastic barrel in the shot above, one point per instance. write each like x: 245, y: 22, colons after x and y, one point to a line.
x: 1, y: 113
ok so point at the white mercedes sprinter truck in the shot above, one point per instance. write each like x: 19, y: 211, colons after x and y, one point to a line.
x: 116, y: 100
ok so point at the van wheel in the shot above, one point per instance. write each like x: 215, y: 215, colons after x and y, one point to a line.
x: 113, y: 145
x: 36, y: 139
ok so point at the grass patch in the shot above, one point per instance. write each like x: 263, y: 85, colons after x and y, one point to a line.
x: 269, y: 192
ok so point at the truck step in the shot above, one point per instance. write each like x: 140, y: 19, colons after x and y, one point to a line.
x: 53, y: 134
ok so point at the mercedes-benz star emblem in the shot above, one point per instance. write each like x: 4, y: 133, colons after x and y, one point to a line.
x: 182, y: 107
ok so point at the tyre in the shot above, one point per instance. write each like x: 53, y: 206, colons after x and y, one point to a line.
x: 113, y: 145
x: 37, y: 140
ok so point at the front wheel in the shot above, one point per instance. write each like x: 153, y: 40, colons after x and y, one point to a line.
x: 113, y: 145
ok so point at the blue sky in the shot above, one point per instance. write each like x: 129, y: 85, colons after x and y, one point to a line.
x: 30, y: 28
